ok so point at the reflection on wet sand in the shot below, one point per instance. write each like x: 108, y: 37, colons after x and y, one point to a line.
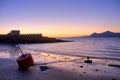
x: 56, y: 67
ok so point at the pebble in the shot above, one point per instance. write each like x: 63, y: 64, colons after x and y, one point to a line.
x: 80, y: 74
x: 81, y: 66
x: 96, y: 70
x: 84, y: 72
x: 43, y: 68
x: 65, y: 58
x: 73, y: 69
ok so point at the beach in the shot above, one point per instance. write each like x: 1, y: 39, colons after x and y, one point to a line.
x: 64, y: 61
x: 60, y: 67
x: 59, y: 39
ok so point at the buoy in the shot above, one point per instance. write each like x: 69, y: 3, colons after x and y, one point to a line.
x: 24, y: 61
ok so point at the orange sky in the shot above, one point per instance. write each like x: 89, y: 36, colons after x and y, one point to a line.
x: 73, y: 18
x: 66, y: 31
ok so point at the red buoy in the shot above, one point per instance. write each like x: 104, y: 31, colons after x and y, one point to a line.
x: 24, y: 61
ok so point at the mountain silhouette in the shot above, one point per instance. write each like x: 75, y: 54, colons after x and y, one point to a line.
x: 105, y: 34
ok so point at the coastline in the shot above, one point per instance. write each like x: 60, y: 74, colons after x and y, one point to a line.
x: 15, y: 37
x: 61, y: 67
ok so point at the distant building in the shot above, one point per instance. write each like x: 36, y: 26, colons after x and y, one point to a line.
x: 14, y: 33
x: 14, y: 36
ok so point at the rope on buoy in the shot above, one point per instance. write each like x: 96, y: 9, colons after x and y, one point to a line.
x: 16, y: 43
x: 25, y: 60
x: 20, y: 49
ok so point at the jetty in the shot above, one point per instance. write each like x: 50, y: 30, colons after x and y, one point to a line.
x: 14, y: 36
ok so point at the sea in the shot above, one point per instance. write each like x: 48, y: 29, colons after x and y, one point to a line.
x: 96, y: 47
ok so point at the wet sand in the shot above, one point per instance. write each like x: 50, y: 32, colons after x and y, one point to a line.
x: 60, y: 67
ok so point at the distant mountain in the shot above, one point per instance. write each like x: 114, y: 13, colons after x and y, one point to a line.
x: 105, y: 34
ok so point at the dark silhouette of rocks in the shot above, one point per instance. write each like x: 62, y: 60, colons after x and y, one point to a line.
x: 105, y: 34
x: 43, y: 68
x: 15, y: 37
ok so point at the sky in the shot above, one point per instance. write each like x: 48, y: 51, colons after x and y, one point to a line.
x: 60, y: 18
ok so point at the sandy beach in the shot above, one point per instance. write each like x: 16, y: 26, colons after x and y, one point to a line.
x: 60, y: 67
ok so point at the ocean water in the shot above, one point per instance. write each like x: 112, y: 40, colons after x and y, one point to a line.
x: 104, y: 48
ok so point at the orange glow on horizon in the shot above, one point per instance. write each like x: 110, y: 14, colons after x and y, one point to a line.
x: 58, y: 31
x: 53, y: 20
x: 50, y: 34
x: 57, y: 34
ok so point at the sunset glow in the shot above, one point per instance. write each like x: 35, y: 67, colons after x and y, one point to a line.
x: 60, y: 18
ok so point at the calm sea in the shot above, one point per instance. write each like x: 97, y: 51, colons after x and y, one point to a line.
x: 106, y: 48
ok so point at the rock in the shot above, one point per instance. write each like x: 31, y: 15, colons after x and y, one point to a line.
x: 73, y: 69
x: 81, y: 66
x: 96, y: 70
x: 65, y: 58
x: 80, y: 74
x: 43, y: 68
x: 84, y: 72
x: 114, y: 65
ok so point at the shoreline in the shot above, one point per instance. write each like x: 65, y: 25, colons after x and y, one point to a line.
x: 93, y: 57
x: 61, y: 67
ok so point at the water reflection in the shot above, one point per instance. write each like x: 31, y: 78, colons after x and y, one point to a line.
x: 8, y: 51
